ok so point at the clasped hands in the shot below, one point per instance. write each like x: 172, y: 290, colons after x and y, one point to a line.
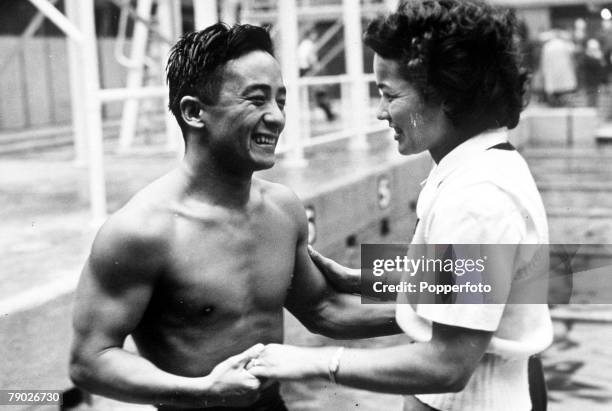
x: 239, y: 379
x: 286, y: 362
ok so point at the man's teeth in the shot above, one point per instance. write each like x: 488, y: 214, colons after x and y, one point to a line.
x: 260, y: 139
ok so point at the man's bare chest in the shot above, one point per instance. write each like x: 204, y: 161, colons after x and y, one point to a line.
x: 230, y: 266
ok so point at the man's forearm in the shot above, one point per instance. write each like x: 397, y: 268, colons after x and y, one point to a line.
x: 121, y: 375
x: 343, y: 316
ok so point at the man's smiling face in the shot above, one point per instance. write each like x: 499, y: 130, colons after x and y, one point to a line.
x: 244, y: 125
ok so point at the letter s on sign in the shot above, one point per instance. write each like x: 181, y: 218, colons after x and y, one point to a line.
x: 384, y: 192
x: 312, y: 227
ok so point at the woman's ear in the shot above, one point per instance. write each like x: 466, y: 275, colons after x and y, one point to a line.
x: 192, y: 112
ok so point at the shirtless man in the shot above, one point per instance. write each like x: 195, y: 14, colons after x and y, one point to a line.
x: 199, y: 264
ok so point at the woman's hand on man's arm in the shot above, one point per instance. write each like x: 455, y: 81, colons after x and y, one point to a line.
x: 344, y: 279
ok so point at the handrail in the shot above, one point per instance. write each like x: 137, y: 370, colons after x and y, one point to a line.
x: 333, y: 52
x: 332, y: 137
x: 336, y: 135
x: 327, y: 36
x: 120, y: 41
x: 122, y: 58
x: 150, y: 25
x: 119, y: 94
x: 59, y: 19
x: 323, y: 12
x: 29, y: 31
x: 335, y: 79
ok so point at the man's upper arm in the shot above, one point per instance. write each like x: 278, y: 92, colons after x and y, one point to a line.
x: 320, y: 307
x: 115, y: 287
x: 309, y: 289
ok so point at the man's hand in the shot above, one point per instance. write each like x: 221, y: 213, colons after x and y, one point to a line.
x: 287, y: 362
x: 231, y: 384
x: 344, y: 279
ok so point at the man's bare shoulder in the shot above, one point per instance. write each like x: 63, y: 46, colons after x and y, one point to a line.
x: 137, y: 233
x: 282, y: 196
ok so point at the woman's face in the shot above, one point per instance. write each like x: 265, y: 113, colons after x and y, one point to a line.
x: 418, y: 126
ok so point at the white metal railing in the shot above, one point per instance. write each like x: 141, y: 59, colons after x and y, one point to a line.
x: 346, y: 129
x: 86, y: 95
x: 266, y: 11
x: 353, y: 86
x: 60, y: 20
x: 265, y: 5
x: 27, y: 33
x: 332, y: 53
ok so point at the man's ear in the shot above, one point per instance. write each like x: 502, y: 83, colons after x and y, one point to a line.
x: 192, y: 111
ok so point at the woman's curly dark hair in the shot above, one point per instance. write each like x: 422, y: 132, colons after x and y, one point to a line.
x: 462, y: 54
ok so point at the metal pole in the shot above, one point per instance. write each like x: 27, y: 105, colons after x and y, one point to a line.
x: 177, y: 16
x: 27, y: 33
x: 178, y: 27
x: 346, y: 104
x: 27, y: 111
x: 305, y: 131
x: 58, y: 19
x: 166, y: 12
x: 288, y: 25
x: 351, y: 10
x: 77, y: 88
x: 205, y: 13
x: 228, y: 11
x: 129, y: 118
x: 92, y: 109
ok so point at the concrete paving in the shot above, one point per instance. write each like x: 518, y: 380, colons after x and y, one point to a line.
x: 575, y: 186
x: 46, y: 235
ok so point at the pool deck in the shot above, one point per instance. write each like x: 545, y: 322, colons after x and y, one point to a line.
x: 46, y: 234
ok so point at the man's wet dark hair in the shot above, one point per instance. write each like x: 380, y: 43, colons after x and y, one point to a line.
x: 196, y: 61
x: 460, y: 53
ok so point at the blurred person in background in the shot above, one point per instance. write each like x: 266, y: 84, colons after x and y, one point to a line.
x: 605, y: 41
x: 447, y: 71
x: 527, y: 47
x: 558, y: 68
x: 530, y: 50
x: 308, y: 62
x: 537, y: 92
x: 198, y: 265
x: 307, y: 52
x: 594, y: 70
